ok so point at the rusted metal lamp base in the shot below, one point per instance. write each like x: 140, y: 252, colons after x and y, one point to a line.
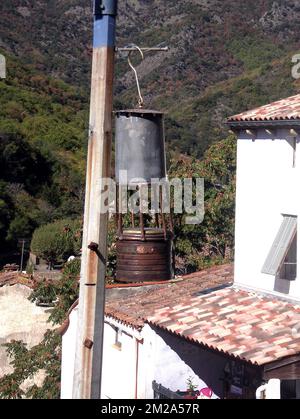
x: 146, y: 259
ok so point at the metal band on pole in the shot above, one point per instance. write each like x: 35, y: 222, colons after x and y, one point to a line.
x: 105, y: 7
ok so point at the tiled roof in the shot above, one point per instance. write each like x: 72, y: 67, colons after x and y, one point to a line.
x: 133, y: 306
x: 204, y: 308
x: 282, y: 110
x: 255, y: 328
x: 13, y: 278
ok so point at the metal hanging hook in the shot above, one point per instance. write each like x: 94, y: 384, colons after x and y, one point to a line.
x: 141, y: 100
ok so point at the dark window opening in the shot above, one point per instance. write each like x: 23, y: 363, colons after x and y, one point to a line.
x: 118, y: 342
x: 290, y: 389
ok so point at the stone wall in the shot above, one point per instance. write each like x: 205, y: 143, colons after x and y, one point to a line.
x: 19, y: 320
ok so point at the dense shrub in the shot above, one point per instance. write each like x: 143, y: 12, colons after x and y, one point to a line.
x: 57, y: 241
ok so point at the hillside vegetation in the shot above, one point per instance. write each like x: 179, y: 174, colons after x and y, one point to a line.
x: 42, y: 151
x: 225, y: 57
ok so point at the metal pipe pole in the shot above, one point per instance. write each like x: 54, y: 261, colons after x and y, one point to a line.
x: 89, y: 346
x: 22, y: 255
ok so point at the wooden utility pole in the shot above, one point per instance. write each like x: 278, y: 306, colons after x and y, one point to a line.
x: 89, y: 346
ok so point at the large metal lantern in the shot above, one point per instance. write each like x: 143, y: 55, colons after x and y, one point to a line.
x: 144, y: 253
x: 140, y: 146
x: 144, y: 260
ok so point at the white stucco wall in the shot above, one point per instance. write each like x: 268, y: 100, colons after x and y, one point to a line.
x: 20, y: 320
x: 170, y: 361
x: 167, y: 359
x: 119, y: 364
x: 267, y: 187
x: 159, y: 359
x: 68, y: 357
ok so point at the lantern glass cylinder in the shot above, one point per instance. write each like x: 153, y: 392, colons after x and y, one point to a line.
x: 140, y: 147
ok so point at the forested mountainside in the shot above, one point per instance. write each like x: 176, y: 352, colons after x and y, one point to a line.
x: 42, y: 151
x: 225, y: 56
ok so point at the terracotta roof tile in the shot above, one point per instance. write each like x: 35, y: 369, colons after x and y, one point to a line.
x: 137, y: 304
x: 13, y: 278
x: 253, y: 327
x: 286, y: 109
x: 248, y: 336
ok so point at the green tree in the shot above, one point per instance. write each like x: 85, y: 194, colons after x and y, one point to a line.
x: 19, y: 227
x: 66, y: 291
x: 57, y: 241
x: 20, y: 163
x: 212, y: 241
x: 6, y: 211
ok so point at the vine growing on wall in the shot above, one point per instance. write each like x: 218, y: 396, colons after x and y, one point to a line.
x: 45, y: 357
x: 26, y: 363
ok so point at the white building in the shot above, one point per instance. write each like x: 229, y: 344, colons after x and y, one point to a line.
x: 137, y: 353
x: 235, y: 338
x: 267, y: 203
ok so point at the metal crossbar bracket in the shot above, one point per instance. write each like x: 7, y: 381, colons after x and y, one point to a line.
x: 130, y: 49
